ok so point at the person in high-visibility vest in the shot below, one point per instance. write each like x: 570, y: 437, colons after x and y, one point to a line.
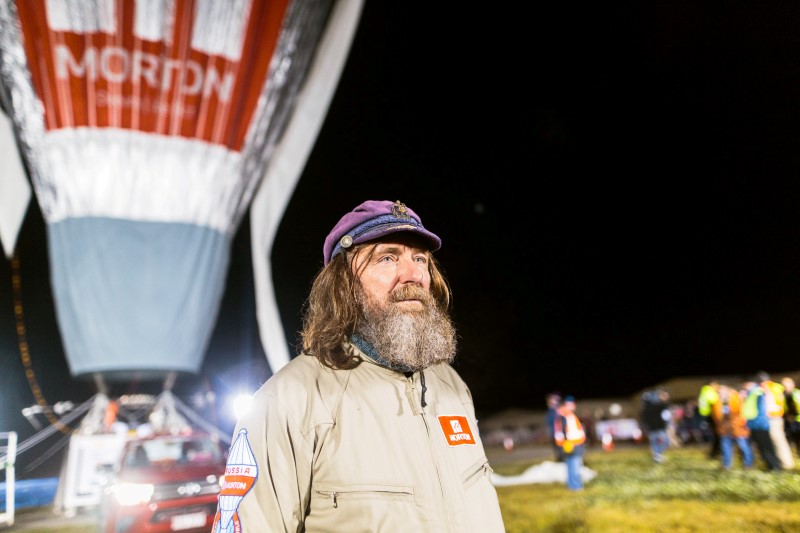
x: 570, y: 436
x: 791, y: 415
x: 709, y: 395
x: 732, y: 427
x: 754, y: 411
x: 773, y: 395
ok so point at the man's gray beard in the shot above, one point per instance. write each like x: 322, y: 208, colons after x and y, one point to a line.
x: 412, y: 339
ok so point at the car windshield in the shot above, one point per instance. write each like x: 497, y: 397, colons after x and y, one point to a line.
x: 172, y: 450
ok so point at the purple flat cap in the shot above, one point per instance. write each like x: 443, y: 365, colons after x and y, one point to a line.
x: 373, y: 219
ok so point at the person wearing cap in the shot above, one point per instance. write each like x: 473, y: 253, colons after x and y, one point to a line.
x: 369, y: 428
x: 570, y: 436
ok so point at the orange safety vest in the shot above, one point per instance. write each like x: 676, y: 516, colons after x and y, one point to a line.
x: 734, y: 403
x: 573, y: 434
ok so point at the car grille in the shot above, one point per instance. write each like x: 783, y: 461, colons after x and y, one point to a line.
x: 185, y: 489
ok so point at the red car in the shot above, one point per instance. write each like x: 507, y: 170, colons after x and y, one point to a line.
x: 164, y: 483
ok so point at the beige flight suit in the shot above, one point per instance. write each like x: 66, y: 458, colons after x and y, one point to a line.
x: 354, y: 451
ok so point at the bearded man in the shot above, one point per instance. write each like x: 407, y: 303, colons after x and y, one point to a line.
x: 369, y: 428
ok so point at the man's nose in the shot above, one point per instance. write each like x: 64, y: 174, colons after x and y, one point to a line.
x: 410, y: 271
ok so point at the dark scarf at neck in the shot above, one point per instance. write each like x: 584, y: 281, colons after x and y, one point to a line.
x: 370, y: 352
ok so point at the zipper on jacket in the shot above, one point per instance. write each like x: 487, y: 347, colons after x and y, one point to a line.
x: 411, y: 396
x: 330, y: 494
x: 334, y: 495
x: 424, y: 388
x: 484, y: 470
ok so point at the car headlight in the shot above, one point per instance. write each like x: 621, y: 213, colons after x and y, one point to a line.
x: 128, y: 494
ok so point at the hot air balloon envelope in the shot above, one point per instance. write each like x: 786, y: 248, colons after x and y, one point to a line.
x: 147, y: 126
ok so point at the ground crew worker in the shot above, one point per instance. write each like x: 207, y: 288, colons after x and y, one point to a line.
x: 570, y: 436
x: 775, y: 406
x: 709, y: 395
x: 791, y: 414
x: 754, y: 411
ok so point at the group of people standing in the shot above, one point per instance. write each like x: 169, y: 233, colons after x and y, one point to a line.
x: 762, y: 415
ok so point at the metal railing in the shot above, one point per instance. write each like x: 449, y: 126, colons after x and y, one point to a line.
x: 9, y: 458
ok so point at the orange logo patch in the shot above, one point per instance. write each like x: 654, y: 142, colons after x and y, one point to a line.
x: 456, y: 430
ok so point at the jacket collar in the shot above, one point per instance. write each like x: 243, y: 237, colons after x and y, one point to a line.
x: 370, y: 352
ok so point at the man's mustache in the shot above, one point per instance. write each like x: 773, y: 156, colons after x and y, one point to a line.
x: 410, y: 292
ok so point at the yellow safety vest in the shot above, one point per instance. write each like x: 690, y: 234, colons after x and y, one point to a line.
x: 774, y: 398
x: 750, y: 407
x: 708, y: 397
x: 795, y: 397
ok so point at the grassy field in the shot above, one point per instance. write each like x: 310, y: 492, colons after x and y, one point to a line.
x: 688, y: 493
x: 631, y: 494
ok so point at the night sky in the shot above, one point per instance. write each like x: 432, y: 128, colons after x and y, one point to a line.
x: 616, y: 188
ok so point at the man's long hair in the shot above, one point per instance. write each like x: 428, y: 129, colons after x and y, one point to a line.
x: 332, y: 310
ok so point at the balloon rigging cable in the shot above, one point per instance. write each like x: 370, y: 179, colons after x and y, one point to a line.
x: 22, y: 341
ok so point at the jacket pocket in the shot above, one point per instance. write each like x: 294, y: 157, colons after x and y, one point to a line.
x: 337, y: 494
x: 476, y: 472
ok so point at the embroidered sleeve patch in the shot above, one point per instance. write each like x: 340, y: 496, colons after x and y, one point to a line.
x: 456, y: 430
x: 240, y: 476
